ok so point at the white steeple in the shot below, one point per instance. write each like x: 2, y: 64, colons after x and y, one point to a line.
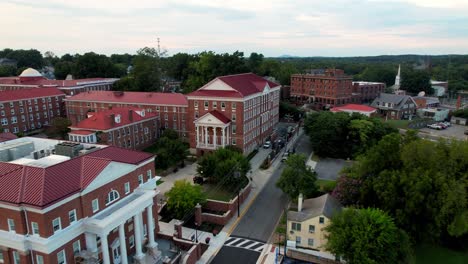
x: 397, y: 78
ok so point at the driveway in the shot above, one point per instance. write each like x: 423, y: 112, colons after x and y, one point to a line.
x: 329, y: 169
x: 455, y: 131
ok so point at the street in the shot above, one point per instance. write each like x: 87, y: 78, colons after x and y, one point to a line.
x: 257, y: 225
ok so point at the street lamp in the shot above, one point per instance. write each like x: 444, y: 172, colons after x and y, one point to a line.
x: 237, y: 175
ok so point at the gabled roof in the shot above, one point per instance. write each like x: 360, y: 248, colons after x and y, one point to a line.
x: 243, y: 85
x: 353, y: 107
x: 104, y: 120
x: 220, y: 116
x: 5, y: 136
x: 395, y: 99
x: 146, y: 98
x: 325, y: 205
x: 28, y: 93
x: 22, y: 184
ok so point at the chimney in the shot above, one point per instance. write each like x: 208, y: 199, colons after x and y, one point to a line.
x: 299, y: 202
x: 130, y: 115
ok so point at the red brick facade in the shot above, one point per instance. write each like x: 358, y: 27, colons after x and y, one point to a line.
x: 366, y: 92
x: 325, y: 88
x: 25, y: 113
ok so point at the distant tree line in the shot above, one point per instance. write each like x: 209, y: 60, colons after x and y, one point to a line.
x: 149, y: 69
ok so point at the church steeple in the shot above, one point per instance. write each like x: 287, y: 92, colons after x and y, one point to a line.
x: 397, y: 78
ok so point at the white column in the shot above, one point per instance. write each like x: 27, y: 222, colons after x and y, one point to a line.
x: 105, y: 249
x: 123, y: 245
x: 138, y: 235
x: 206, y: 135
x: 91, y: 244
x: 214, y: 136
x: 223, y: 138
x: 149, y: 212
x: 198, y: 135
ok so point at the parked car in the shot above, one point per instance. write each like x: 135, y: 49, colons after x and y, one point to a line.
x: 267, y: 145
x: 448, y: 124
x: 285, y: 156
x: 435, y: 126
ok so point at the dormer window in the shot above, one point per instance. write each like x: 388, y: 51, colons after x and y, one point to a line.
x: 112, y: 196
x: 117, y: 119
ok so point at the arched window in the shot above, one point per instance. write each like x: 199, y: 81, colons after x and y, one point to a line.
x: 112, y: 196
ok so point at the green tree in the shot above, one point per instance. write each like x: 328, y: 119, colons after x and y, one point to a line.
x: 26, y: 58
x: 170, y: 150
x: 91, y: 65
x: 297, y: 178
x: 254, y: 62
x: 415, y: 81
x: 59, y: 127
x: 183, y: 196
x: 146, y: 71
x: 222, y: 166
x: 367, y: 236
x: 7, y: 70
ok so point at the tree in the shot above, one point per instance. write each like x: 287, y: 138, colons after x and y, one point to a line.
x: 170, y: 150
x: 183, y: 197
x: 254, y: 62
x: 415, y: 81
x: 298, y: 178
x: 347, y: 190
x: 146, y: 72
x: 26, y: 58
x: 367, y: 236
x: 59, y: 127
x: 91, y: 65
x: 222, y: 165
x: 7, y: 70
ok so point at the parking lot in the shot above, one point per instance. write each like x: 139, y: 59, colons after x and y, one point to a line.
x: 455, y: 131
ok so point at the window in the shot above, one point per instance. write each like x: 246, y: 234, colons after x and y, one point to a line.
x: 233, y: 117
x: 2, y: 106
x: 11, y: 104
x: 233, y: 106
x: 76, y: 247
x: 165, y: 117
x: 310, y: 242
x: 61, y: 257
x: 165, y: 109
x: 206, y: 105
x: 1, y: 257
x: 95, y: 205
x: 223, y: 106
x: 195, y: 104
x: 311, y: 229
x: 196, y: 114
x: 140, y: 179
x: 233, y: 141
x: 72, y: 216
x: 112, y: 196
x: 14, y: 120
x: 39, y: 259
x: 3, y: 113
x: 298, y: 240
x: 215, y: 104
x: 131, y: 241
x: 16, y: 257
x: 321, y: 220
x: 11, y: 225
x: 145, y: 230
x: 175, y: 109
x: 234, y: 128
x: 157, y: 108
x: 127, y: 187
x: 12, y: 111
x: 56, y: 225
x: 149, y: 174
x: 4, y: 121
x: 35, y: 228
x: 22, y: 110
x: 296, y: 226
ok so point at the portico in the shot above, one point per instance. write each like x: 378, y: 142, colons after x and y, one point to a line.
x: 130, y: 208
x: 213, y: 130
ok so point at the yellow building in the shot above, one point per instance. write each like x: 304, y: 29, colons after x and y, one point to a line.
x: 307, y: 221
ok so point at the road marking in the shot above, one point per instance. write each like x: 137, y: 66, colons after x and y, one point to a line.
x: 246, y: 244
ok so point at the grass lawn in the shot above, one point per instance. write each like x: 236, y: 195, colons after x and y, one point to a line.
x: 398, y: 123
x: 326, y: 185
x: 431, y: 254
x: 219, y: 194
x: 159, y: 182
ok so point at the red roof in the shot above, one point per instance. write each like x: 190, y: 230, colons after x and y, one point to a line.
x: 131, y: 98
x: 244, y: 84
x: 103, y: 120
x: 353, y: 107
x: 42, y: 81
x: 5, y: 136
x: 44, y: 186
x: 81, y: 132
x: 220, y: 116
x: 29, y: 93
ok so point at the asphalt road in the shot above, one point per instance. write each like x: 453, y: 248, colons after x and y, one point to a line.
x: 259, y: 222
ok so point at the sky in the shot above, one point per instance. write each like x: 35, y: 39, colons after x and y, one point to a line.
x: 270, y: 27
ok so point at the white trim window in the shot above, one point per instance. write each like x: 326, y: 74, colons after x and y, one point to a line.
x: 127, y: 187
x: 11, y: 225
x: 112, y: 196
x: 56, y: 225
x: 95, y: 205
x: 140, y: 179
x: 76, y: 247
x: 16, y: 257
x: 61, y: 259
x: 131, y: 241
x: 149, y: 174
x: 35, y: 228
x: 39, y: 259
x: 72, y: 216
x: 2, y: 259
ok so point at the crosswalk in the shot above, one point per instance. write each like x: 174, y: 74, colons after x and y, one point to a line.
x: 245, y: 243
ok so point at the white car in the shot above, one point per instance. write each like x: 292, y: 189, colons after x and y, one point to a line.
x: 267, y: 145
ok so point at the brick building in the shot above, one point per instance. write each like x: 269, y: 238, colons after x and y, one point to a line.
x: 130, y: 128
x: 366, y: 92
x: 170, y: 108
x: 239, y: 110
x: 31, y: 78
x: 63, y: 202
x: 330, y: 87
x: 29, y: 109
